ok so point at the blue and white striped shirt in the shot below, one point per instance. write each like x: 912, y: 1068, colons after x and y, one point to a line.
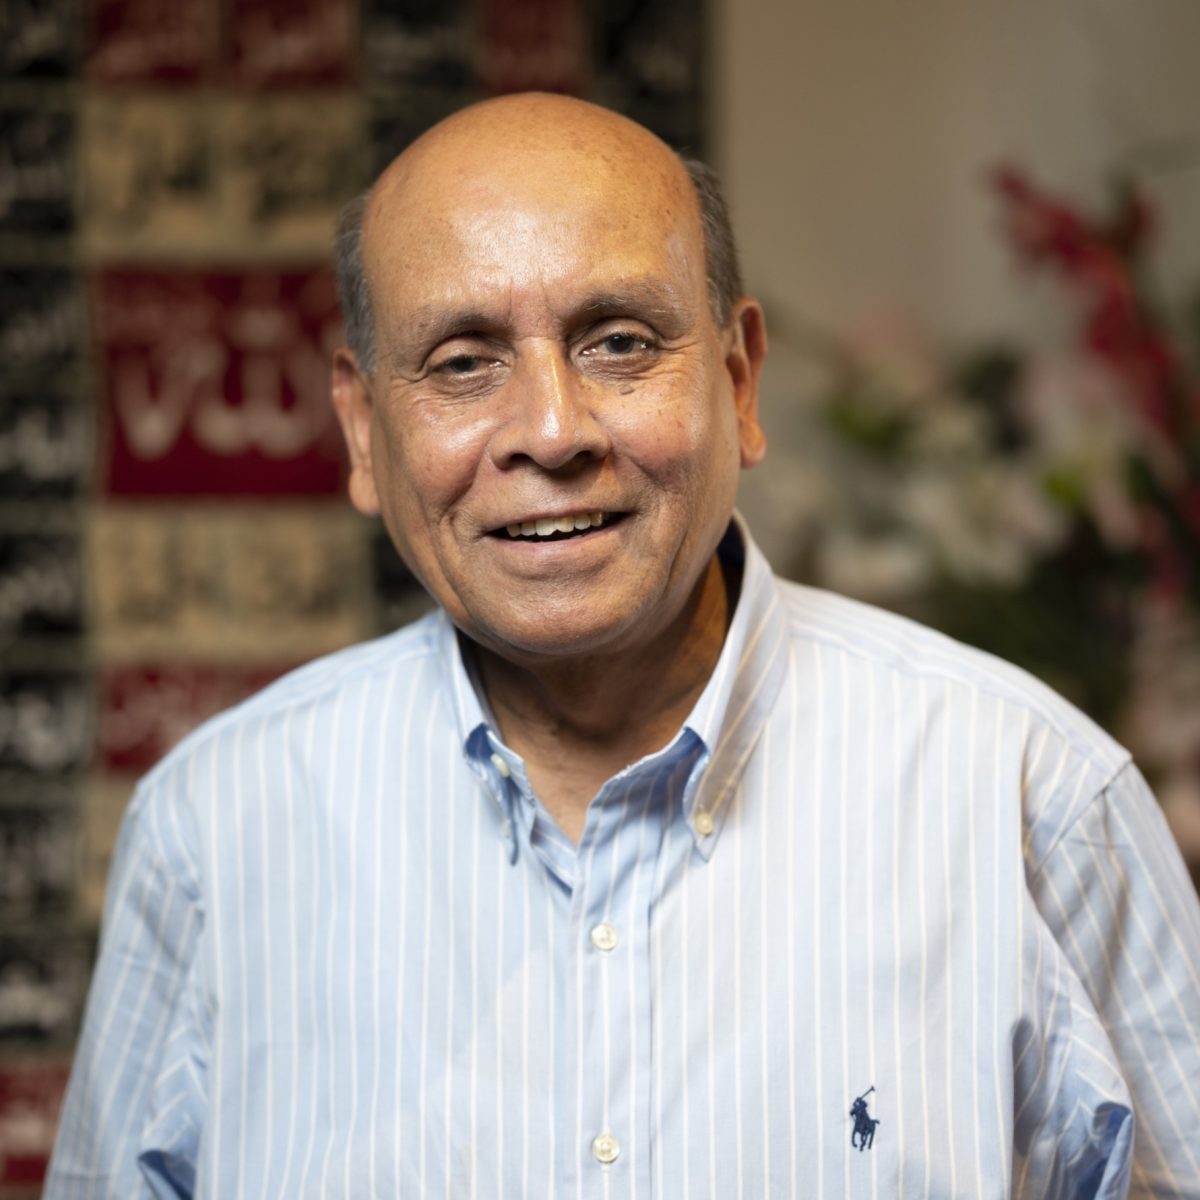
x: 347, y: 953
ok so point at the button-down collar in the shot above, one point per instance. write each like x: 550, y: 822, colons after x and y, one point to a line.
x: 720, y: 731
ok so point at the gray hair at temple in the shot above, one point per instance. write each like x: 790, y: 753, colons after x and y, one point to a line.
x: 720, y: 251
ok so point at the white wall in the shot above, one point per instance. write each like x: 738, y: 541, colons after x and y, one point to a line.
x: 855, y: 137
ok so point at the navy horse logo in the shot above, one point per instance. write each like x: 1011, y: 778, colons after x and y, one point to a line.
x: 863, y: 1134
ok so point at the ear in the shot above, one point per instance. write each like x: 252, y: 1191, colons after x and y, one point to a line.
x: 745, y: 353
x: 354, y: 405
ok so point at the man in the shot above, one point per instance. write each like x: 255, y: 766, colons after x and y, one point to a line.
x: 631, y: 871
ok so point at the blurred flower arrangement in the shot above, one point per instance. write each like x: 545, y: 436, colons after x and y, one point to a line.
x: 1042, y: 504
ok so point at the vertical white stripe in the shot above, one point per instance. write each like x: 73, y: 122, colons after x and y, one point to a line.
x: 313, y: 974
x: 739, y: 1103
x: 793, y: 801
x: 291, y: 822
x: 527, y: 958
x: 1030, y: 769
x: 710, y: 938
x: 948, y: 968
x: 658, y: 1018
x: 505, y: 874
x: 1003, y: 999
x: 684, y: 1022
x: 1023, y: 894
x: 873, y: 750
x: 1051, y: 791
x: 472, y: 1167
x: 922, y: 876
x: 330, y: 1082
x: 843, y: 790
x: 427, y: 810
x: 452, y: 900
x: 766, y: 1067
x: 183, y: 797
x: 976, y: 931
x: 383, y: 738
x: 818, y: 805
x: 268, y: 1010
x: 409, y: 806
x: 551, y: 959
x: 240, y: 866
x: 352, y: 1034
x: 898, y: 790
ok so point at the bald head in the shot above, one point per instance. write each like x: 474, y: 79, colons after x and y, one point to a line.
x: 564, y: 151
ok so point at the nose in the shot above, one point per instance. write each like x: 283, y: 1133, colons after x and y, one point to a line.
x: 549, y: 418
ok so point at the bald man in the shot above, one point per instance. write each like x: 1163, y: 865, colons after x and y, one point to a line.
x: 632, y: 870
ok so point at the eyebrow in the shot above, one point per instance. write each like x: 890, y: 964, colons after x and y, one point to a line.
x: 433, y: 323
x: 659, y: 301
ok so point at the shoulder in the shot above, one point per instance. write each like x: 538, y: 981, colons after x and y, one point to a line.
x: 917, y: 653
x: 242, y: 747
x: 1058, y: 757
x: 316, y: 685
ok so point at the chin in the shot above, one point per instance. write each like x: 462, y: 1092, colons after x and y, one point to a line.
x: 553, y: 636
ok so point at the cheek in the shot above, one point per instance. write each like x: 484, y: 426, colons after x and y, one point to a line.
x: 429, y: 464
x: 684, y: 435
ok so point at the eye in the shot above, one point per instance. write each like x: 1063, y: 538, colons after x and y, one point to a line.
x: 621, y: 343
x: 461, y: 364
x: 624, y: 343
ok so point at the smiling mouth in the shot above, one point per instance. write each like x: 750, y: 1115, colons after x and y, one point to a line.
x: 557, y: 529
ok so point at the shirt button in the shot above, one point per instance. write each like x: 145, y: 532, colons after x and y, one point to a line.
x: 605, y: 1148
x: 500, y: 765
x: 704, y: 823
x: 604, y: 937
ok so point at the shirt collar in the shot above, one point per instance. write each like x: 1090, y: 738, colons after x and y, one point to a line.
x: 732, y: 711
x: 727, y: 719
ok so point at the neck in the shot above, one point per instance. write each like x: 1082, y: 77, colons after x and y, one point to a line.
x: 578, y: 722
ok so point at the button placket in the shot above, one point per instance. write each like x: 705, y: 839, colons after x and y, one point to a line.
x: 506, y: 796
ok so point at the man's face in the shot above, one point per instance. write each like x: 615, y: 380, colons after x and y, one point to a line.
x: 555, y: 426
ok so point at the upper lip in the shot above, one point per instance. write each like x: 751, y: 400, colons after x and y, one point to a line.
x: 579, y: 510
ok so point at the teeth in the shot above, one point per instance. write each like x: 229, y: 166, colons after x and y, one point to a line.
x: 551, y: 525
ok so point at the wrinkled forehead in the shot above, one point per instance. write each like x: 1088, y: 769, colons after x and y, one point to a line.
x: 487, y: 203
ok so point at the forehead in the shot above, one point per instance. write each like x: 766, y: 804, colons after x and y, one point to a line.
x: 515, y: 224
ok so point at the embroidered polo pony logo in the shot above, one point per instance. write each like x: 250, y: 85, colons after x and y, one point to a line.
x: 862, y: 1136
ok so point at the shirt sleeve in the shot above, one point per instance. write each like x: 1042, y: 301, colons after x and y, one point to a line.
x: 131, y: 1116
x: 1117, y: 898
